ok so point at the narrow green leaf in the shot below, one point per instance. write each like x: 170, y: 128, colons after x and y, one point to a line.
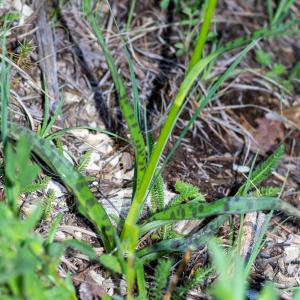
x: 110, y: 262
x: 283, y: 8
x: 130, y: 267
x: 209, y: 10
x: 53, y: 118
x: 229, y: 205
x: 4, y: 88
x: 269, y: 293
x: 128, y: 114
x: 194, y: 241
x: 141, y: 282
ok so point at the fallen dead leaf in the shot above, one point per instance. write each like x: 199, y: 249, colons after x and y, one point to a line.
x: 88, y: 287
x: 293, y: 114
x: 267, y: 134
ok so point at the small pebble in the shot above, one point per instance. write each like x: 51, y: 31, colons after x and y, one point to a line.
x: 240, y: 169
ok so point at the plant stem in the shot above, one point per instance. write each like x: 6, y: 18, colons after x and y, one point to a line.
x: 209, y: 12
x: 4, y: 90
x: 138, y: 200
x: 130, y: 14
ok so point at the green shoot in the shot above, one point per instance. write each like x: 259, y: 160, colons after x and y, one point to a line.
x: 161, y: 275
x: 47, y: 124
x: 209, y: 8
x: 47, y: 203
x: 130, y: 14
x: 37, y: 185
x: 84, y: 161
x: 231, y: 283
x: 5, y: 84
x: 19, y: 173
x: 281, y: 12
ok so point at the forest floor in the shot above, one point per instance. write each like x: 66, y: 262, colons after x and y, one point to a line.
x: 254, y: 111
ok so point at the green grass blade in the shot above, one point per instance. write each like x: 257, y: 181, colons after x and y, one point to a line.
x: 130, y: 14
x: 203, y: 101
x: 4, y: 85
x: 270, y: 10
x: 130, y: 267
x: 87, y: 6
x: 141, y: 282
x: 53, y: 118
x: 258, y: 244
x: 243, y: 192
x: 209, y: 8
x: 269, y: 292
x: 82, y: 247
x: 282, y: 10
x: 135, y: 93
x: 111, y: 262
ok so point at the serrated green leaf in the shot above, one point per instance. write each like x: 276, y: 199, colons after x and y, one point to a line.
x: 263, y: 58
x: 53, y: 228
x: 264, y: 170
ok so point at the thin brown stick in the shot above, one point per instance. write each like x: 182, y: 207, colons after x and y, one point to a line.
x: 47, y: 52
x: 174, y: 279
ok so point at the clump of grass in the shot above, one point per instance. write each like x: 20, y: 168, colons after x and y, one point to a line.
x: 47, y: 203
x: 22, y: 55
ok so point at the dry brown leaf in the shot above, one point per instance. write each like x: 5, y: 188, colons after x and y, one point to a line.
x: 293, y: 114
x: 88, y: 287
x: 268, y: 133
